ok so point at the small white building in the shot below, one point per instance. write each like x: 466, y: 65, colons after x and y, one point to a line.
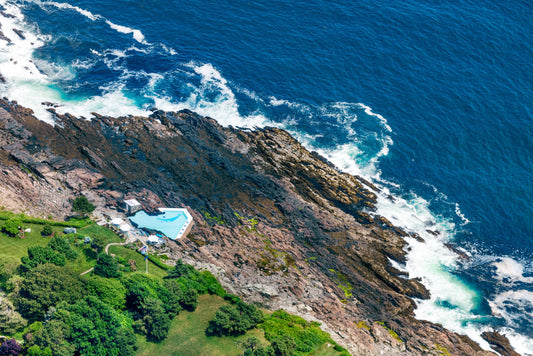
x: 125, y: 227
x: 132, y: 205
x: 152, y: 240
x: 117, y: 221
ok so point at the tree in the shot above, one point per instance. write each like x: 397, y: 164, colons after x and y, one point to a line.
x: 180, y: 270
x: 108, y: 290
x: 10, y: 347
x: 156, y: 320
x: 10, y: 319
x: 234, y: 319
x: 47, y: 230
x: 12, y: 226
x: 88, y: 327
x: 44, y: 287
x: 39, y: 255
x: 190, y: 300
x: 107, y: 267
x: 284, y: 346
x: 62, y: 245
x: 35, y: 350
x: 98, y: 243
x: 82, y: 206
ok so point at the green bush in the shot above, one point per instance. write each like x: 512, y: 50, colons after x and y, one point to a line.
x: 106, y: 266
x: 12, y: 226
x: 307, y: 336
x: 234, y: 319
x: 47, y: 230
x: 82, y: 206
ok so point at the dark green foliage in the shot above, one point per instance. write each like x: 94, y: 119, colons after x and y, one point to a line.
x: 108, y: 290
x: 253, y: 347
x: 235, y: 319
x: 140, y: 287
x: 12, y: 226
x: 181, y: 270
x: 203, y: 282
x: 62, y: 245
x: 45, y: 286
x: 39, y: 255
x: 98, y: 243
x: 171, y: 297
x: 106, y: 266
x: 10, y: 347
x: 190, y: 300
x: 82, y: 206
x: 47, y: 230
x: 88, y: 327
x: 284, y: 346
x: 155, y: 260
x: 155, y: 320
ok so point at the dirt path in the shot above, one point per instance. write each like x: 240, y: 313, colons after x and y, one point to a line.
x: 106, y: 250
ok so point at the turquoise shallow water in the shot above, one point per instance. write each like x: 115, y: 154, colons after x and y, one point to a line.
x: 430, y: 100
x: 170, y: 223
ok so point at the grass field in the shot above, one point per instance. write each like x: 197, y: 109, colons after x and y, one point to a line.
x: 187, y: 335
x: 128, y: 254
x: 13, y: 248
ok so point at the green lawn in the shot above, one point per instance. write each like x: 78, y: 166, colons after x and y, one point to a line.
x: 13, y: 248
x: 94, y: 230
x: 187, y: 335
x: 128, y: 254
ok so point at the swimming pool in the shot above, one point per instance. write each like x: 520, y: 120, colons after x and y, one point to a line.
x: 172, y: 222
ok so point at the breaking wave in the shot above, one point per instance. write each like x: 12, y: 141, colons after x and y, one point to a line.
x: 350, y: 135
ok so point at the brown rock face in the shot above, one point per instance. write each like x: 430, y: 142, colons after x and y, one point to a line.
x: 499, y: 343
x: 277, y: 224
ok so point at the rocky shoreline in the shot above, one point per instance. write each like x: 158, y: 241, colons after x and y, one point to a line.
x: 277, y: 224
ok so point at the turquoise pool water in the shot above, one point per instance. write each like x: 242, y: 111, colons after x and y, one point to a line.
x: 172, y: 222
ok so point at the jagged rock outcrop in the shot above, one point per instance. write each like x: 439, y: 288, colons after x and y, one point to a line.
x: 277, y: 224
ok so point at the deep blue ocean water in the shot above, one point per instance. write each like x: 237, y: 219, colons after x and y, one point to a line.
x: 431, y: 100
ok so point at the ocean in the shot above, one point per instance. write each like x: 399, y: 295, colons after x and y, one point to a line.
x: 431, y: 100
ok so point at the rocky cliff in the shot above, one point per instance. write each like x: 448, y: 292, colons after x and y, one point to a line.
x: 277, y: 224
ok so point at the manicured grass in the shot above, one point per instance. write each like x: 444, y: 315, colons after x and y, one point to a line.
x: 13, y: 248
x: 187, y: 334
x: 95, y: 230
x: 130, y: 254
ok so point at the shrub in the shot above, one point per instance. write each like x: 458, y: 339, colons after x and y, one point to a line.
x: 82, y: 206
x: 10, y: 347
x: 107, y: 267
x: 47, y: 230
x: 62, y: 245
x: 12, y: 226
x: 234, y: 319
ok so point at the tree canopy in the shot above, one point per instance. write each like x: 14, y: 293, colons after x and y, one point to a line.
x: 82, y: 206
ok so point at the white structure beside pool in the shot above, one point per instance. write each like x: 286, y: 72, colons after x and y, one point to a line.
x: 132, y: 205
x: 174, y: 223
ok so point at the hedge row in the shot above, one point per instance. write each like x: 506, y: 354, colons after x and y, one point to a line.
x: 6, y: 215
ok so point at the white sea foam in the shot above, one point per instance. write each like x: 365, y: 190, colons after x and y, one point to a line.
x: 30, y: 81
x: 137, y: 34
x: 62, y: 5
x: 510, y: 271
x: 522, y: 344
x: 452, y: 301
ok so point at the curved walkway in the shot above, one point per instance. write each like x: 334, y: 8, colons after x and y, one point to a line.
x: 106, y: 250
